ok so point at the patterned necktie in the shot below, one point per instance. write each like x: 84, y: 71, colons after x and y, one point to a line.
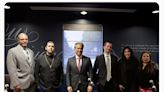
x: 28, y: 56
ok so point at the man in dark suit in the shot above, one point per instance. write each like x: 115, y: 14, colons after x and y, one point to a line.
x: 105, y: 70
x: 20, y: 65
x: 79, y: 70
x: 48, y: 70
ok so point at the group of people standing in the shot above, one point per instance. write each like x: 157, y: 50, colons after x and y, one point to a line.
x: 137, y: 76
x: 108, y: 74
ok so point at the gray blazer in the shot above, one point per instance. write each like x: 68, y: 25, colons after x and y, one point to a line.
x: 74, y: 77
x: 20, y: 70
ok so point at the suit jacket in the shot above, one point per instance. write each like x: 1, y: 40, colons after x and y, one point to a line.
x: 20, y: 70
x: 100, y: 70
x: 74, y: 77
x: 48, y: 77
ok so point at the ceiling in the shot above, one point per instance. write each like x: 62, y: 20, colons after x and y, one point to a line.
x: 93, y: 7
x: 140, y: 13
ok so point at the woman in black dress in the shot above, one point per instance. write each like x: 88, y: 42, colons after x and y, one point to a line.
x: 128, y: 66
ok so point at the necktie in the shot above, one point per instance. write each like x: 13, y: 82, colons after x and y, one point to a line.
x: 78, y: 64
x: 108, y: 64
x: 28, y: 56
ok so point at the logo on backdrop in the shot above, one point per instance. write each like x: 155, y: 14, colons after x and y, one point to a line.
x: 11, y: 34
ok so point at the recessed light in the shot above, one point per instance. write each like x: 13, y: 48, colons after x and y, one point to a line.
x: 7, y: 7
x: 155, y: 11
x: 83, y: 12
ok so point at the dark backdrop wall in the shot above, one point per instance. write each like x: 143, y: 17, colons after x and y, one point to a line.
x: 139, y: 30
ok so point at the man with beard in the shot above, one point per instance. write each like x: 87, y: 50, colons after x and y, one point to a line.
x: 48, y: 70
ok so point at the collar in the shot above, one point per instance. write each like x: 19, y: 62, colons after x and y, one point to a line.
x: 22, y: 47
x: 105, y: 54
x: 78, y: 57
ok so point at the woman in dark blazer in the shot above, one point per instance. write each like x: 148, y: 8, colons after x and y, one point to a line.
x: 128, y: 66
x: 147, y: 73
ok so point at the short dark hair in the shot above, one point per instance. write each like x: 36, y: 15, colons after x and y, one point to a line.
x: 107, y: 42
x: 50, y: 42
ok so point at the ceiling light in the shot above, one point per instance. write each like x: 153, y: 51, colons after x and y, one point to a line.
x: 155, y: 11
x: 82, y: 9
x: 7, y: 7
x: 83, y: 12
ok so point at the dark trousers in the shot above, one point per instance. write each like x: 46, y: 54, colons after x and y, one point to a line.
x: 108, y: 87
x: 81, y: 88
x: 41, y: 89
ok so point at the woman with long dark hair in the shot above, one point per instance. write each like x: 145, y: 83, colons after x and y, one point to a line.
x: 147, y: 73
x: 128, y: 66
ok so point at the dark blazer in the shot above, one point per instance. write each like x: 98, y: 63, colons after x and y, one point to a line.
x: 100, y: 71
x: 46, y: 77
x: 74, y: 77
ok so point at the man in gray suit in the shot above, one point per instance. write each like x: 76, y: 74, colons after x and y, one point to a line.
x: 79, y: 70
x: 20, y: 65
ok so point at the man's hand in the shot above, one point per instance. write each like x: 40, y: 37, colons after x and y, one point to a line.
x: 18, y: 88
x: 69, y: 89
x: 89, y: 88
